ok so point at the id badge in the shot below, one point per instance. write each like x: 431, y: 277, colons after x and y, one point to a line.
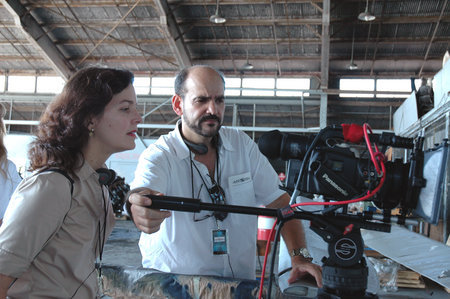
x: 220, y: 244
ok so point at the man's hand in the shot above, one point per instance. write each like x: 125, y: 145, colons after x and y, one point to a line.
x: 146, y: 219
x: 302, y: 267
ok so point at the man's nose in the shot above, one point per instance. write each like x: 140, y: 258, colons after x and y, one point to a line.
x: 212, y: 107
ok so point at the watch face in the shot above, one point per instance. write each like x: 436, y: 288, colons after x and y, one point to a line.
x: 305, y: 253
x: 301, y: 252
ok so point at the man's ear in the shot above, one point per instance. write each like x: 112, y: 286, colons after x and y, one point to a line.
x: 177, y: 104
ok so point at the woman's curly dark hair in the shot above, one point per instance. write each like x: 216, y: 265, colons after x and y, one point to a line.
x: 63, y: 128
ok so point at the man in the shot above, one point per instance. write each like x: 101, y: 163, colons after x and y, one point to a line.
x: 424, y: 97
x: 201, y: 159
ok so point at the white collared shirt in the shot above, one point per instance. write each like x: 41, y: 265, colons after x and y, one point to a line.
x: 7, y: 185
x: 184, y: 246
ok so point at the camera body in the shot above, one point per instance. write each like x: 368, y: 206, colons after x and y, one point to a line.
x: 341, y: 170
x: 337, y: 173
x: 118, y: 191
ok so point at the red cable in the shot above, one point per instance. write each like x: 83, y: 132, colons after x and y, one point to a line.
x: 372, y: 155
x: 367, y: 196
x: 377, y: 159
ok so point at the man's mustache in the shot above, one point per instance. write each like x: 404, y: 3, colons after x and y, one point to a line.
x: 209, y: 117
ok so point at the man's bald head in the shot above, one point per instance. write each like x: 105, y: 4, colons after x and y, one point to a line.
x: 181, y: 77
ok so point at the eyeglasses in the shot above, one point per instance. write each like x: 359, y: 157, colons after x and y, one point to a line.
x: 217, y: 195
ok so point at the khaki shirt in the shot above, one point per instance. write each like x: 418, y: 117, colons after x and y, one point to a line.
x: 49, y: 240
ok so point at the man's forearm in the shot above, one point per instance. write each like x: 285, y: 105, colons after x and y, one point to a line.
x: 293, y: 235
x: 292, y: 231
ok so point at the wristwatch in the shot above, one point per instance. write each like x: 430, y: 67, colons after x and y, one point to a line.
x: 301, y: 252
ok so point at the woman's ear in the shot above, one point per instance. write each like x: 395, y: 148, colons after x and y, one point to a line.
x: 90, y: 123
x: 177, y: 104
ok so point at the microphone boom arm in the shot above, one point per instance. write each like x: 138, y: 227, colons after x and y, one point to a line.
x: 184, y: 204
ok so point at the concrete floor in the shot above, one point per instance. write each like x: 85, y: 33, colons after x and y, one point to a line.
x: 121, y: 248
x: 125, y: 278
x: 121, y: 253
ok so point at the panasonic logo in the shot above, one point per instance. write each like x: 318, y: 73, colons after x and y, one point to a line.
x: 332, y: 183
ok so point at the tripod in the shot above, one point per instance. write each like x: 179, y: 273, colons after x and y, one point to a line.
x: 344, y: 271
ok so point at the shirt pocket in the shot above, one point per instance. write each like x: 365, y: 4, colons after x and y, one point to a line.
x: 241, y: 189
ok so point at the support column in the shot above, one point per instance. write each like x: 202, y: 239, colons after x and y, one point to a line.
x: 325, y: 61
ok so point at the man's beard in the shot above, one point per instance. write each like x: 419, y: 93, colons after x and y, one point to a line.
x: 197, y: 128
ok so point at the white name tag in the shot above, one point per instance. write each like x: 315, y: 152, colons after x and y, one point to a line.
x: 239, y: 179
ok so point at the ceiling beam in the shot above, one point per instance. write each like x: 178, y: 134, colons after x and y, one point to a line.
x: 374, y: 56
x: 432, y: 37
x: 275, y: 39
x: 114, y: 3
x: 168, y: 59
x: 86, y: 3
x: 406, y: 41
x: 305, y: 41
x: 234, y: 2
x: 252, y: 21
x: 108, y: 33
x: 37, y: 36
x: 146, y: 22
x: 173, y: 33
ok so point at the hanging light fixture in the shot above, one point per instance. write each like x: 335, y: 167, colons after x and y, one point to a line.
x: 352, y: 66
x: 247, y: 66
x: 216, y: 18
x: 366, y: 16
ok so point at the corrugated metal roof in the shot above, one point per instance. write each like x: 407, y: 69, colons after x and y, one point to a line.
x: 280, y: 38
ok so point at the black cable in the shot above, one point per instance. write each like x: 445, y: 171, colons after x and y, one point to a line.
x: 203, y: 180
x: 274, y: 253
x: 210, y: 195
x: 192, y: 175
x: 100, y: 243
x: 284, y: 271
x: 229, y: 263
x: 307, y: 155
x: 82, y: 283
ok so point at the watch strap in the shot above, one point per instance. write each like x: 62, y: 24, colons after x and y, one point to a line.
x: 303, y: 252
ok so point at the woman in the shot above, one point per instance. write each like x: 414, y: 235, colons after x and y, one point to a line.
x: 9, y: 177
x: 51, y: 233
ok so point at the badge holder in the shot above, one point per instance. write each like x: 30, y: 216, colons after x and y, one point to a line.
x: 220, y: 241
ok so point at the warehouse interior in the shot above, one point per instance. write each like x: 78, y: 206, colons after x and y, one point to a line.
x: 296, y: 66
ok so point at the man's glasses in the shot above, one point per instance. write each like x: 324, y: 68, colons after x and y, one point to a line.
x: 217, y: 195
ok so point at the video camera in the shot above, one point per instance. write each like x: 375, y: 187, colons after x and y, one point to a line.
x: 335, y: 164
x: 118, y: 190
